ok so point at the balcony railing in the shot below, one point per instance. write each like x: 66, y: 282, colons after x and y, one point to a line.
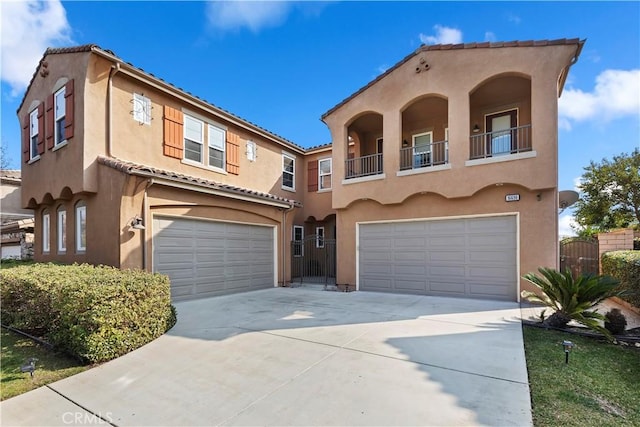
x: 423, y: 156
x: 363, y: 166
x: 500, y: 143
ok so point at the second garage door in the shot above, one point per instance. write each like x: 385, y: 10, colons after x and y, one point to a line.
x: 469, y: 257
x: 206, y: 258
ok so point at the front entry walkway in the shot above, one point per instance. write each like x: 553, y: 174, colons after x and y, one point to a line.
x: 300, y: 357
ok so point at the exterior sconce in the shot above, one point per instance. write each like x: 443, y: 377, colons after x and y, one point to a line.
x: 405, y: 143
x: 136, y: 223
x: 567, y: 345
x: 476, y: 128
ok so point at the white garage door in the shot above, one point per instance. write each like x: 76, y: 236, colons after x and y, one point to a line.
x: 469, y: 257
x: 205, y: 258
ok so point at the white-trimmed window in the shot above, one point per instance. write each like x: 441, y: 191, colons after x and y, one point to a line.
x: 319, y: 237
x: 252, y: 151
x: 324, y: 174
x: 217, y: 140
x: 422, y: 146
x: 193, y: 139
x: 81, y: 227
x: 62, y: 229
x: 33, y: 134
x: 141, y: 109
x: 298, y: 240
x: 288, y: 172
x: 46, y: 232
x: 60, y: 112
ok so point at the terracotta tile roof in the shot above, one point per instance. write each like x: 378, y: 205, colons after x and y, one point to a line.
x: 10, y: 173
x: 483, y: 45
x: 148, y: 171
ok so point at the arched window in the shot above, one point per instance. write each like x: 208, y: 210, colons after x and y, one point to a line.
x: 62, y: 229
x: 46, y: 232
x: 81, y: 226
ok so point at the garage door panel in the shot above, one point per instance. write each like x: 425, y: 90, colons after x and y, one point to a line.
x: 473, y: 257
x: 207, y: 258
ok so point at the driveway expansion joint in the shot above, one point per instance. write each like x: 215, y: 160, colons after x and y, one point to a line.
x: 97, y: 415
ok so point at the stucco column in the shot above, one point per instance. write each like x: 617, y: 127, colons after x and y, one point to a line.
x: 392, y: 135
x: 459, y: 126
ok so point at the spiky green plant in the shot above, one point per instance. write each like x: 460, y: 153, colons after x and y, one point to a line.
x: 572, y: 299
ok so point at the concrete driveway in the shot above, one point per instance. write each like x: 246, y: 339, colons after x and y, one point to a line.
x: 305, y: 357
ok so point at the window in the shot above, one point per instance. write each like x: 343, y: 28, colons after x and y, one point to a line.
x: 193, y: 139
x: 59, y: 111
x: 62, y: 230
x: 217, y: 139
x: 141, y: 109
x: 298, y: 237
x: 288, y: 172
x: 324, y: 174
x: 319, y: 237
x: 46, y: 232
x: 252, y: 151
x: 33, y: 134
x: 81, y: 227
x: 502, y: 132
x: 422, y: 149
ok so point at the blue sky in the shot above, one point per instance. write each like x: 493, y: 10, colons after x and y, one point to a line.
x: 282, y: 65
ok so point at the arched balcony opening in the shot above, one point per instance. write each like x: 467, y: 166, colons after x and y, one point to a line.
x: 365, y: 146
x: 500, y: 117
x: 425, y: 133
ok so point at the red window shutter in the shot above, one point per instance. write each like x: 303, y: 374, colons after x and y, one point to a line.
x: 173, y: 138
x: 233, y: 153
x: 25, y: 139
x: 41, y: 128
x: 49, y: 122
x: 312, y: 175
x: 68, y: 112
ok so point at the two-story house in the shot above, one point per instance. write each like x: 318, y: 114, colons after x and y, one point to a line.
x: 441, y: 178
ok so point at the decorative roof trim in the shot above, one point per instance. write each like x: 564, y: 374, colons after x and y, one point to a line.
x: 438, y: 47
x: 209, y: 186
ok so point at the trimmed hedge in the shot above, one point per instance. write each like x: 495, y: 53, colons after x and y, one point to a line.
x: 624, y: 266
x: 94, y: 313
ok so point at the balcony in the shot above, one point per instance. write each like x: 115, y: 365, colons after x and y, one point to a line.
x: 500, y: 143
x: 363, y: 166
x: 423, y: 156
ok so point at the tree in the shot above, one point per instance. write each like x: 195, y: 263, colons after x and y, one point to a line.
x: 610, y: 193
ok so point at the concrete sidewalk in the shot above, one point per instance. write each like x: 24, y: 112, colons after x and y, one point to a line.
x: 304, y: 357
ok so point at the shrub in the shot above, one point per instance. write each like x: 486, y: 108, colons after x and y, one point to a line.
x: 572, y: 299
x: 94, y: 313
x: 615, y: 322
x: 624, y: 266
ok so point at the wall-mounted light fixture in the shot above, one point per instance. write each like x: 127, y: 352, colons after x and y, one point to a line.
x: 476, y: 128
x: 136, y: 223
x: 405, y: 143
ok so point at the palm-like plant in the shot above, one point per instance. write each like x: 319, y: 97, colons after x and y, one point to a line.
x: 572, y: 299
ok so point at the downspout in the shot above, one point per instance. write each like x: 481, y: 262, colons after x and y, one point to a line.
x: 114, y: 69
x: 284, y: 249
x: 145, y: 209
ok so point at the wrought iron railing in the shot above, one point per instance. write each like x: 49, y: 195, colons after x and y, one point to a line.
x: 503, y: 142
x: 363, y: 166
x: 423, y: 156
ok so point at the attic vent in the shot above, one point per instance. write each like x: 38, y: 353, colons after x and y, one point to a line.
x: 422, y: 66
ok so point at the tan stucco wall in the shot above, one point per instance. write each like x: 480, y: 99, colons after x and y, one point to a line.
x: 11, y: 201
x: 316, y: 204
x: 537, y: 223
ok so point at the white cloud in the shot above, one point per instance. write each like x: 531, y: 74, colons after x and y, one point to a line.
x: 564, y: 226
x: 615, y: 95
x: 514, y: 18
x: 255, y: 15
x: 577, y: 181
x: 444, y: 35
x: 490, y: 36
x: 28, y: 28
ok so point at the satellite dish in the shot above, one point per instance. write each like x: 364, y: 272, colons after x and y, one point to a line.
x: 567, y: 198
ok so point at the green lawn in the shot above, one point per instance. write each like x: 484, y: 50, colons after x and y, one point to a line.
x: 599, y: 387
x: 50, y: 367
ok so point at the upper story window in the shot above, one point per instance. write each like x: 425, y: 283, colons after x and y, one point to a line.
x: 59, y: 111
x: 288, y: 172
x: 81, y: 226
x: 46, y: 232
x: 193, y: 139
x: 324, y: 174
x: 62, y: 230
x: 33, y: 134
x: 141, y: 109
x: 252, y: 151
x: 217, y: 139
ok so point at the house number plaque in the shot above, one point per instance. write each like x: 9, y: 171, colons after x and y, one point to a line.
x: 512, y: 197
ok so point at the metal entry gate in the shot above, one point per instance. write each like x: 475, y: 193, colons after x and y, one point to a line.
x: 313, y: 260
x: 579, y: 256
